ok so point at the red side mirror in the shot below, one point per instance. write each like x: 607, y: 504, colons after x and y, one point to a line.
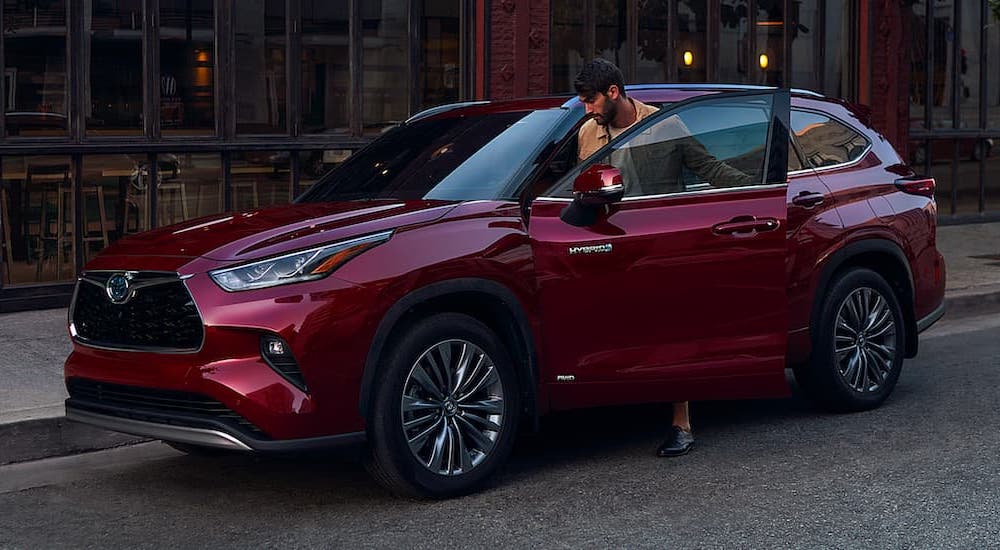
x: 599, y: 184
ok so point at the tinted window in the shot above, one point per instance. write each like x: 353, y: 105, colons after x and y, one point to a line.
x: 708, y: 145
x: 455, y: 158
x: 825, y: 141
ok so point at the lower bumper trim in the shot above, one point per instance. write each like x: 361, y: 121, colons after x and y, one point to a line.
x: 208, y: 437
x: 178, y: 434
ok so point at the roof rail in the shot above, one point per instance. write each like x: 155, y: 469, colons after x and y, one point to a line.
x: 442, y: 109
x: 711, y: 86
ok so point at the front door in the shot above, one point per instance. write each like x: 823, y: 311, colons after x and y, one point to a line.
x: 677, y: 291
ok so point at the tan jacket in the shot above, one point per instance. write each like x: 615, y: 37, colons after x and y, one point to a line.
x: 593, y: 136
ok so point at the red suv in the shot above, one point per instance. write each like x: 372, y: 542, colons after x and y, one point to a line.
x: 465, y: 274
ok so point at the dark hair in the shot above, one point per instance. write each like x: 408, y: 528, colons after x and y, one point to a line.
x: 597, y: 77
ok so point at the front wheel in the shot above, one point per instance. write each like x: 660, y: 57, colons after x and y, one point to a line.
x: 858, y: 344
x: 446, y: 411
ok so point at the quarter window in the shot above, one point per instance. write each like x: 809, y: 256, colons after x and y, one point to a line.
x: 825, y: 141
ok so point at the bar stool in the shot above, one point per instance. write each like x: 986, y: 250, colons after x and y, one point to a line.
x: 176, y: 189
x: 90, y: 235
x: 53, y: 182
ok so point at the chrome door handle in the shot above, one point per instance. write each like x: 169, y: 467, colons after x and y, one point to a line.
x: 808, y: 199
x: 742, y: 225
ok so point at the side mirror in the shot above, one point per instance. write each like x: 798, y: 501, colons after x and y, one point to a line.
x: 598, y: 185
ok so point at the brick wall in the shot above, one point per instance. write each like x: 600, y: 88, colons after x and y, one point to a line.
x: 518, y: 58
x: 890, y: 72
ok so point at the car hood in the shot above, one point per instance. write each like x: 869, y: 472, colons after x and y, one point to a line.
x: 260, y: 233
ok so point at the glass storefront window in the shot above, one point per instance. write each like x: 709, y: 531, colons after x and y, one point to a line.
x: 189, y: 186
x: 260, y: 178
x: 187, y: 67
x: 325, y: 67
x: 918, y: 63
x: 692, y: 40
x: 115, y: 70
x: 37, y: 219
x: 386, y: 66
x: 610, y: 33
x: 35, y: 68
x: 733, y: 42
x: 439, y: 69
x: 314, y: 164
x: 260, y: 66
x: 992, y: 190
x: 805, y: 49
x: 566, y: 46
x: 966, y: 185
x: 836, y: 77
x: 941, y: 152
x: 652, y: 63
x: 993, y: 82
x: 768, y: 60
x: 941, y: 67
x: 115, y: 200
x: 968, y: 66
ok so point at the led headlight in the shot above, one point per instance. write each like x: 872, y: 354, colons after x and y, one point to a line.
x: 304, y: 265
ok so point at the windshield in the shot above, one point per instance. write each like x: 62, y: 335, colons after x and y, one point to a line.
x: 454, y: 158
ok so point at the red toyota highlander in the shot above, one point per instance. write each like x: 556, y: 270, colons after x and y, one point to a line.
x: 464, y: 274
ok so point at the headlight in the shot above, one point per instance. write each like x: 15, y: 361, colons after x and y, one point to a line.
x: 304, y: 265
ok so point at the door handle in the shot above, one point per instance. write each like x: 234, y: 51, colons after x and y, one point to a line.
x: 742, y: 225
x: 808, y: 199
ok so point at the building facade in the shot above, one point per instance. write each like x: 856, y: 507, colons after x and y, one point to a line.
x: 126, y: 115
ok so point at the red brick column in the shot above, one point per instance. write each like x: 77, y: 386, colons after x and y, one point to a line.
x: 519, y: 48
x: 890, y: 72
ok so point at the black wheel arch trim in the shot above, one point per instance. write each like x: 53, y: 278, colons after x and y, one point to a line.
x: 878, y: 245
x: 441, y: 289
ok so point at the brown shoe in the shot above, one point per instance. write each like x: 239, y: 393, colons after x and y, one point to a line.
x: 678, y: 443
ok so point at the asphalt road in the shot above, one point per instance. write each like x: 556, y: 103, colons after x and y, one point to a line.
x: 920, y: 472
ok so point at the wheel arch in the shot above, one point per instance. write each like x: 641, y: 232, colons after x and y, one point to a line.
x: 489, y: 302
x: 883, y: 257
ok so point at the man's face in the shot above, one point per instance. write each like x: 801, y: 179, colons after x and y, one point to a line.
x: 604, y: 106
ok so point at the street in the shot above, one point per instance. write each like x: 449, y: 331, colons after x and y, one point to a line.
x: 921, y: 471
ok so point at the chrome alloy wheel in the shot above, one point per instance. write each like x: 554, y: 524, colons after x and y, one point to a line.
x: 865, y: 340
x: 452, y: 407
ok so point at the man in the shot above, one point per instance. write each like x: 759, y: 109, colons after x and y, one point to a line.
x: 601, y: 87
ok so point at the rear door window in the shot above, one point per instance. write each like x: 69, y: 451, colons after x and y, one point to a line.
x: 825, y: 141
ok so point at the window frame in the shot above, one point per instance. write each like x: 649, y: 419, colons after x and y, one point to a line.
x: 666, y: 111
x: 818, y: 169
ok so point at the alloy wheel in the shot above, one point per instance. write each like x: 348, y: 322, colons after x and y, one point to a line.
x: 865, y: 340
x: 452, y: 407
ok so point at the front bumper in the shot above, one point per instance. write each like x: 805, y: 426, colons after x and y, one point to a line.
x: 194, y: 431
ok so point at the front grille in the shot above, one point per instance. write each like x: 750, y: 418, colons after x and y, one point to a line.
x: 155, y: 405
x: 160, y: 315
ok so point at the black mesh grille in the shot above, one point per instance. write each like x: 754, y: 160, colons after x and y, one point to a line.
x: 154, y: 405
x: 159, y: 317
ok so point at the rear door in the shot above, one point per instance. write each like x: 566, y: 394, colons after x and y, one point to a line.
x: 677, y: 291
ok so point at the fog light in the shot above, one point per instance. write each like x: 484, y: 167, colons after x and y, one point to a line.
x: 278, y: 356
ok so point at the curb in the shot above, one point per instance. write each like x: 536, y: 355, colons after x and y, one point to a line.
x: 56, y: 436
x: 962, y: 304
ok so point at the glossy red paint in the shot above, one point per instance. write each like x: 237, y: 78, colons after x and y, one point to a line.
x: 684, y: 307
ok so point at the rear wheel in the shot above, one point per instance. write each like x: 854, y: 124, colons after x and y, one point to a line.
x: 446, y: 412
x: 858, y: 345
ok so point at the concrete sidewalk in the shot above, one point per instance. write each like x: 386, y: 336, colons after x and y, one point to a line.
x: 34, y: 344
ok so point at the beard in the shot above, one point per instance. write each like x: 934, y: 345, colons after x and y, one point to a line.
x: 609, y: 114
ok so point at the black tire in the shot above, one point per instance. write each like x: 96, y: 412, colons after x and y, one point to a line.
x: 863, y: 373
x: 469, y: 458
x: 201, y: 451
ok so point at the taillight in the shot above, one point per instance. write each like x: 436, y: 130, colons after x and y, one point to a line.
x: 917, y: 186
